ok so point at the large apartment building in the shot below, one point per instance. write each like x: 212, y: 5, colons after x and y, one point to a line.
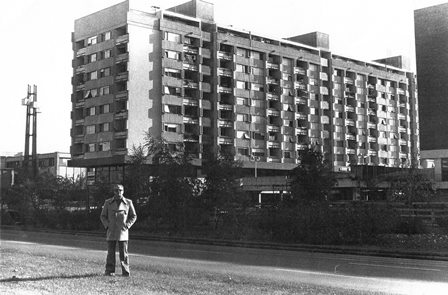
x: 177, y: 74
x: 431, y: 41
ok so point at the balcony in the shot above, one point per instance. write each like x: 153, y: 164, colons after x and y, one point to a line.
x: 123, y: 76
x: 191, y: 120
x: 272, y: 80
x: 225, y: 140
x: 300, y: 71
x: 122, y: 58
x: 190, y: 84
x: 300, y: 85
x: 225, y: 72
x: 273, y: 112
x: 81, y: 52
x: 225, y: 55
x: 222, y: 89
x: 190, y: 67
x: 223, y: 122
x: 122, y: 39
x: 270, y: 65
x: 190, y: 49
x: 272, y: 96
x: 301, y: 100
x: 80, y: 70
x: 348, y: 80
x: 301, y: 131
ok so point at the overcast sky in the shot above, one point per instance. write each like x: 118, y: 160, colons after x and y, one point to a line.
x: 36, y: 47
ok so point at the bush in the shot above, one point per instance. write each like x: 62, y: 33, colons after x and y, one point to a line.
x: 410, y: 226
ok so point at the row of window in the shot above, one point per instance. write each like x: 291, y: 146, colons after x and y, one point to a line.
x: 90, y: 93
x: 103, y: 127
x: 100, y: 55
x: 99, y: 38
x: 101, y: 73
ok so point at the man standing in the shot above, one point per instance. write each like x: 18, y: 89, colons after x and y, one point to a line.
x: 117, y: 216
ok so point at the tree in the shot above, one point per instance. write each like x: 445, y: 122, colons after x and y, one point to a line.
x: 312, y: 179
x: 222, y: 192
x: 172, y: 183
x: 410, y: 185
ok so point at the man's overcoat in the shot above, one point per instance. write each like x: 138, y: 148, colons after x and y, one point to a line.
x: 117, y: 217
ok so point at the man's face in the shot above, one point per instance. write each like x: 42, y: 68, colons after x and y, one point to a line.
x: 118, y: 191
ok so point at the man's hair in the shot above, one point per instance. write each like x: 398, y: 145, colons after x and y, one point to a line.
x: 118, y: 185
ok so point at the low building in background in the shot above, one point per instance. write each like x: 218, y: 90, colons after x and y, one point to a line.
x: 52, y: 163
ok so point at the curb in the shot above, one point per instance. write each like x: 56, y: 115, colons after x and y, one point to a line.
x: 408, y: 254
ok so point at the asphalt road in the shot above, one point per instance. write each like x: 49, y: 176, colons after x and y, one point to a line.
x: 375, y: 274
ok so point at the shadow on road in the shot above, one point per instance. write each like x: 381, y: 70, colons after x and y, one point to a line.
x: 17, y: 279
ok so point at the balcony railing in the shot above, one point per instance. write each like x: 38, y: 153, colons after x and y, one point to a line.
x: 225, y: 55
x: 225, y: 72
x: 299, y: 70
x: 122, y: 39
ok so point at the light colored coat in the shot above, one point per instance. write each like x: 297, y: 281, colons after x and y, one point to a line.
x: 118, y: 218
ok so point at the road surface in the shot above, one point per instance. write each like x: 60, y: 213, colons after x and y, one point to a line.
x: 376, y: 274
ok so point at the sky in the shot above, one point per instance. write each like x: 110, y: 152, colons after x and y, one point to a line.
x: 36, y: 47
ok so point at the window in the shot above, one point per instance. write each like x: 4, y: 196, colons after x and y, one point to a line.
x: 91, y: 111
x: 94, y: 92
x: 104, y: 127
x: 242, y: 85
x: 104, y: 146
x: 172, y: 54
x: 104, y: 109
x: 172, y: 73
x: 104, y: 90
x: 287, y: 155
x: 255, y: 55
x: 257, y: 119
x: 172, y: 37
x: 106, y: 36
x: 172, y: 90
x: 170, y: 127
x: 92, y: 40
x: 257, y: 103
x: 339, y: 158
x: 241, y: 52
x: 92, y: 57
x: 243, y: 151
x: 257, y: 87
x: 242, y: 135
x: 107, y: 53
x: 90, y: 129
x: 444, y: 169
x: 257, y: 71
x: 172, y: 109
x: 242, y: 101
x: 104, y: 72
x: 242, y: 68
x: 287, y: 61
x: 242, y: 117
x: 91, y: 147
x: 92, y: 75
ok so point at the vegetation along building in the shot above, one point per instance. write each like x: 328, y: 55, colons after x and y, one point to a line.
x: 178, y: 75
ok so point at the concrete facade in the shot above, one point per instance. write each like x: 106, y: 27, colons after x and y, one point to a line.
x: 431, y: 41
x: 177, y: 74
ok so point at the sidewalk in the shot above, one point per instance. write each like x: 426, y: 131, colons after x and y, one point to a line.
x: 368, y: 250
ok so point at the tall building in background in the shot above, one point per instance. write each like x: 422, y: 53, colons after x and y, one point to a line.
x: 207, y: 88
x: 431, y: 43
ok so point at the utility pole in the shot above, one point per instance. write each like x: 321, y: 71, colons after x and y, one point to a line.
x: 31, y: 118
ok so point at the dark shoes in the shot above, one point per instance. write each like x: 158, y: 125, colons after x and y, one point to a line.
x: 112, y: 274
